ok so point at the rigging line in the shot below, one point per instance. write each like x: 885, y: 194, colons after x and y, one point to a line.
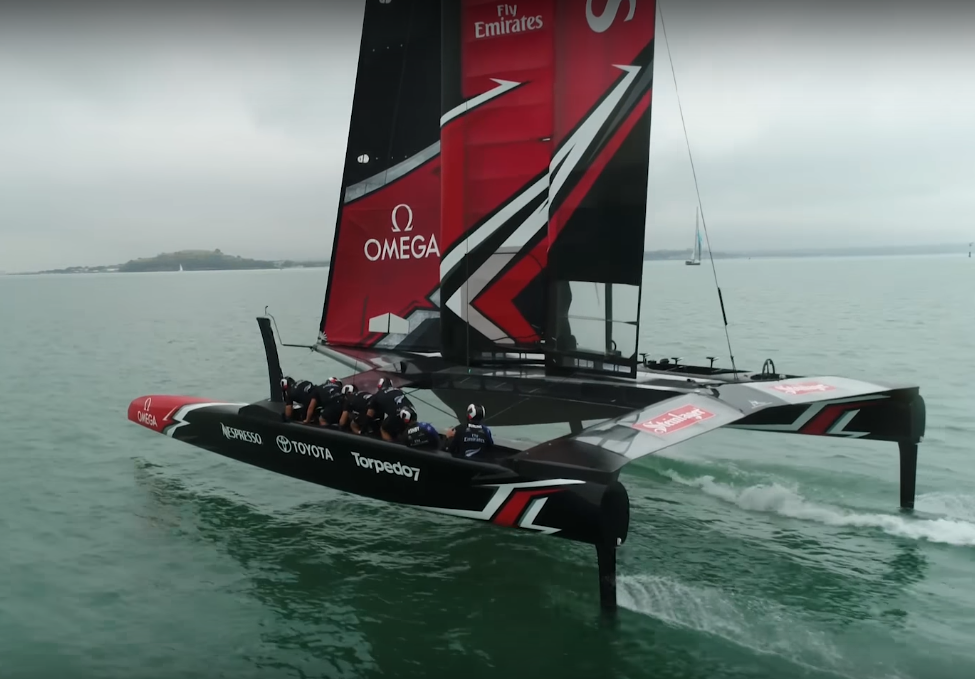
x: 527, y: 396
x: 697, y: 190
x: 427, y: 403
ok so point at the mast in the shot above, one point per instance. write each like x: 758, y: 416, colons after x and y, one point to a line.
x: 383, y: 281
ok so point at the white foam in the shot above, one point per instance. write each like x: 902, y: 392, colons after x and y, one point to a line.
x: 760, y: 626
x: 777, y: 499
x: 951, y: 505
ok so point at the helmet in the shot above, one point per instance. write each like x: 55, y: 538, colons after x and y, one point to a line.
x: 348, y: 389
x: 287, y: 382
x: 334, y: 380
x: 406, y: 415
x: 383, y: 384
x: 475, y: 413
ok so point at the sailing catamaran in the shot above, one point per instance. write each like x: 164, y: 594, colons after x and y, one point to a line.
x: 695, y: 259
x: 489, y: 249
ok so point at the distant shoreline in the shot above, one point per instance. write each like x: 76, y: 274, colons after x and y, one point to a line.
x: 196, y: 260
x: 888, y: 251
x: 183, y: 261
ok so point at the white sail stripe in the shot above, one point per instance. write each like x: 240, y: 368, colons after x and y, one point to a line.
x: 479, y: 100
x: 522, y: 235
x: 453, y: 258
x: 381, y: 179
x: 571, y: 153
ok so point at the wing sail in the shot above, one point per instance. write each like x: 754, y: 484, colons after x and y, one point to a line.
x: 384, y: 277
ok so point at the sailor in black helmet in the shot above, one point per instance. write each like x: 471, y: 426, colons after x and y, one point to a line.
x: 386, y: 404
x: 326, y: 403
x: 411, y: 433
x: 297, y: 398
x: 472, y: 438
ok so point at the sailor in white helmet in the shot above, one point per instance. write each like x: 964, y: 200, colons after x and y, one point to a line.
x: 327, y: 402
x: 470, y: 439
x: 386, y: 403
x: 355, y: 404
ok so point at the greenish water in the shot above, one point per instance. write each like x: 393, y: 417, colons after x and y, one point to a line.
x: 126, y: 554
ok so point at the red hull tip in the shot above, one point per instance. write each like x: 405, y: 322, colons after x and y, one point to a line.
x: 156, y: 412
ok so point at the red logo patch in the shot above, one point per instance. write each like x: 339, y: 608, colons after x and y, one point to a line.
x: 674, y: 420
x: 802, y: 388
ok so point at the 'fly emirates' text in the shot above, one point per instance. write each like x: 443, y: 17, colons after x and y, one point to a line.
x: 508, y: 22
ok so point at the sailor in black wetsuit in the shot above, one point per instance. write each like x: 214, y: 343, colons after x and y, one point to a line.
x: 406, y: 430
x: 472, y: 439
x: 297, y: 398
x: 356, y: 406
x: 326, y: 403
x: 386, y: 403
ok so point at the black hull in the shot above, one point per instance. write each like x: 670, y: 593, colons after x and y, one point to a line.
x: 256, y: 434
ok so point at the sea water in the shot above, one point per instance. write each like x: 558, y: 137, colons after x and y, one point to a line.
x: 127, y: 554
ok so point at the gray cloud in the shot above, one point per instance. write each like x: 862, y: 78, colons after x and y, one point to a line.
x: 135, y: 131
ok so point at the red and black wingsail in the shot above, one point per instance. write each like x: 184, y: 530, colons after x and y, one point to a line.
x: 598, y: 183
x: 545, y: 134
x: 384, y: 278
x: 496, y: 144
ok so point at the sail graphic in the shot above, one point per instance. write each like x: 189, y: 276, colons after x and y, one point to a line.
x: 598, y: 186
x: 496, y: 141
x: 545, y: 141
x: 383, y: 281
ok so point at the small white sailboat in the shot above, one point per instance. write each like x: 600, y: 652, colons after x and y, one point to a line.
x: 695, y: 259
x: 181, y: 267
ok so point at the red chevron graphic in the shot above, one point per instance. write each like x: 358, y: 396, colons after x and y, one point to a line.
x: 820, y: 424
x: 513, y: 507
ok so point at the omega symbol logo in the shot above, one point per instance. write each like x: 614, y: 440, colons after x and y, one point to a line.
x: 402, y: 246
x: 395, y: 218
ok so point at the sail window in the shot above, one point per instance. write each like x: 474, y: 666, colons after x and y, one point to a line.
x: 596, y: 323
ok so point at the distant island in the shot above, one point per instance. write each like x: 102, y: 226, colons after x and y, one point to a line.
x: 215, y: 260
x: 190, y: 260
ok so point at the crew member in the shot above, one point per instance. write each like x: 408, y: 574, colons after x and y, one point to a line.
x: 422, y: 435
x: 394, y: 428
x: 326, y: 402
x: 386, y: 404
x: 356, y: 406
x: 298, y: 396
x: 472, y: 438
x: 406, y: 430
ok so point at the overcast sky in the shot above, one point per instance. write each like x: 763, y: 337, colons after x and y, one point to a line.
x: 129, y: 133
